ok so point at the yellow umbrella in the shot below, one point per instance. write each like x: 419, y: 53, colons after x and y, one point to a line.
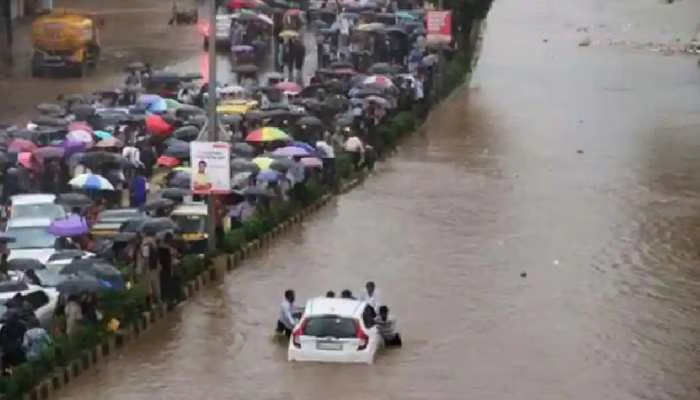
x: 263, y: 162
x: 236, y: 106
x: 288, y: 34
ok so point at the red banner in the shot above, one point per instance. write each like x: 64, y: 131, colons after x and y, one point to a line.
x: 438, y: 26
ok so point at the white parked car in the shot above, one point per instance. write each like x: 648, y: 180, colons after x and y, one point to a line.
x: 31, y: 239
x: 335, y: 330
x: 37, y: 205
x: 42, y: 299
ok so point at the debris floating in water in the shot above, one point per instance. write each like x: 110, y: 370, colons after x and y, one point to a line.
x: 555, y: 262
x: 579, y: 151
x: 523, y: 274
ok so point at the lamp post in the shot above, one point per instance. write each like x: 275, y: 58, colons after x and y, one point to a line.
x: 211, y: 120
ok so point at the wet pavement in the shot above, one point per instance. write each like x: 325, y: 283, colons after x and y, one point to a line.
x: 574, y: 166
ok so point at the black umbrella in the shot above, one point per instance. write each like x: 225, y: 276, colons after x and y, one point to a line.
x: 244, y: 165
x: 50, y: 109
x: 282, y: 164
x: 245, y: 69
x: 74, y: 200
x: 123, y: 237
x: 23, y: 134
x: 336, y: 103
x: 175, y: 194
x: 257, y: 191
x: 179, y: 180
x: 80, y: 284
x: 92, y: 266
x: 309, y: 120
x: 158, y: 204
x: 381, y: 68
x: 82, y: 111
x: 186, y: 111
x: 174, y: 142
x: 157, y: 225
x: 243, y: 149
x: 342, y: 65
x: 180, y: 152
x: 230, y: 119
x: 50, y: 121
x: 97, y: 158
x: 24, y: 264
x: 66, y: 255
x: 186, y: 133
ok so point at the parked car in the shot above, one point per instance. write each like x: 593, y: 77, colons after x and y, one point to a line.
x: 35, y: 206
x: 31, y: 239
x: 42, y: 299
x: 335, y: 330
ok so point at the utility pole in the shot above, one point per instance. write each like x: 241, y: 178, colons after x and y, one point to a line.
x: 211, y: 120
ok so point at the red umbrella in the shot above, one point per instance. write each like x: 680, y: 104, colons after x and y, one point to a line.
x: 25, y: 159
x: 167, y: 161
x: 21, y: 146
x: 236, y: 4
x: 157, y: 126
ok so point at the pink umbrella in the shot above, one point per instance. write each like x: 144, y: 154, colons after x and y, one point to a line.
x: 80, y: 135
x: 25, y: 159
x: 312, y: 162
x: 21, y: 146
x: 289, y: 87
x: 378, y: 80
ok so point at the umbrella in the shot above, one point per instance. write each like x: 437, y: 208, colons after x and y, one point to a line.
x: 186, y: 133
x: 288, y: 34
x: 152, y: 103
x: 257, y: 191
x: 378, y: 80
x: 291, y: 151
x: 292, y: 12
x: 73, y: 225
x: 371, y: 27
x: 240, y: 178
x: 289, y: 87
x: 157, y: 126
x: 71, y: 147
x: 80, y: 135
x: 309, y: 148
x: 156, y: 225
x: 158, y: 204
x: 49, y: 153
x: 283, y: 164
x: 268, y: 175
x: 263, y: 162
x: 406, y: 15
x: 74, y: 200
x: 24, y: 264
x: 180, y: 179
x: 243, y: 149
x: 312, y: 162
x: 175, y: 194
x: 82, y: 283
x: 267, y: 134
x: 179, y: 151
x: 309, y: 120
x: 379, y: 100
x: 381, y: 68
x: 25, y: 159
x: 172, y: 104
x: 242, y: 164
x: 90, y: 182
x: 97, y: 158
x: 168, y: 161
x: 103, y: 135
x: 21, y: 145
x: 108, y: 143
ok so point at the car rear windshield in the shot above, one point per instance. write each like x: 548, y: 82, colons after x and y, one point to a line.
x: 330, y: 326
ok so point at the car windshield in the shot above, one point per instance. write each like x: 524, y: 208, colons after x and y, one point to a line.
x: 190, y: 223
x: 330, y: 326
x: 41, y: 210
x: 31, y: 237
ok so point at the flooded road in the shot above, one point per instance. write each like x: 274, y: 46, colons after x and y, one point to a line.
x: 576, y: 165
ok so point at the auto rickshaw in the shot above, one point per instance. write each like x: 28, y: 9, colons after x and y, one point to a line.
x: 65, y: 39
x: 192, y: 221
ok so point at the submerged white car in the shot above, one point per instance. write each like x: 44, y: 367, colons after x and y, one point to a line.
x: 335, y: 330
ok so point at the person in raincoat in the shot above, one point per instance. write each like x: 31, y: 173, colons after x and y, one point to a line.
x: 138, y: 189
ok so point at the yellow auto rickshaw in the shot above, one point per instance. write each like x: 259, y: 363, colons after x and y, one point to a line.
x: 65, y: 39
x: 236, y: 106
x: 192, y: 221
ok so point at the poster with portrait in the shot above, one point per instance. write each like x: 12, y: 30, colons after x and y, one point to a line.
x: 211, y: 167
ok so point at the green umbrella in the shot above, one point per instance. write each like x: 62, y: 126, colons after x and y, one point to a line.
x: 406, y: 15
x: 172, y: 104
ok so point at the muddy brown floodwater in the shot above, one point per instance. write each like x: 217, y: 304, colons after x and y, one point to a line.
x: 493, y: 187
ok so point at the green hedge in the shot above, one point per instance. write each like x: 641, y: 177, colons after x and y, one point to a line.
x: 128, y: 307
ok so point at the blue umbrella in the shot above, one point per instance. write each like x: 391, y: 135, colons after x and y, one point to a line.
x: 304, y: 146
x: 153, y: 103
x: 268, y: 175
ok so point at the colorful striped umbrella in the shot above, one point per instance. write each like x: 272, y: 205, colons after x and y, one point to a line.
x: 90, y: 182
x: 267, y: 134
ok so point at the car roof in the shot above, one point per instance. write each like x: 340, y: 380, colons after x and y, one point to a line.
x: 190, y: 209
x: 334, y: 306
x: 128, y: 212
x: 29, y: 223
x: 35, y: 198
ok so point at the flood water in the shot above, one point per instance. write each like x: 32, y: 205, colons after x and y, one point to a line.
x: 576, y: 165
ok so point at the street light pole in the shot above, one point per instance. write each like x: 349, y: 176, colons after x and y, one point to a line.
x: 211, y: 119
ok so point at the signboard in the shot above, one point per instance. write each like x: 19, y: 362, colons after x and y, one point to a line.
x: 438, y: 26
x: 211, y: 167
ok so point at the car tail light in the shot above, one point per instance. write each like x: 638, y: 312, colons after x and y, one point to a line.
x: 296, y: 334
x: 362, y: 336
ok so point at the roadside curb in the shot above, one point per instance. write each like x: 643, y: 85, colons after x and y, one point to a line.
x: 218, y: 267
